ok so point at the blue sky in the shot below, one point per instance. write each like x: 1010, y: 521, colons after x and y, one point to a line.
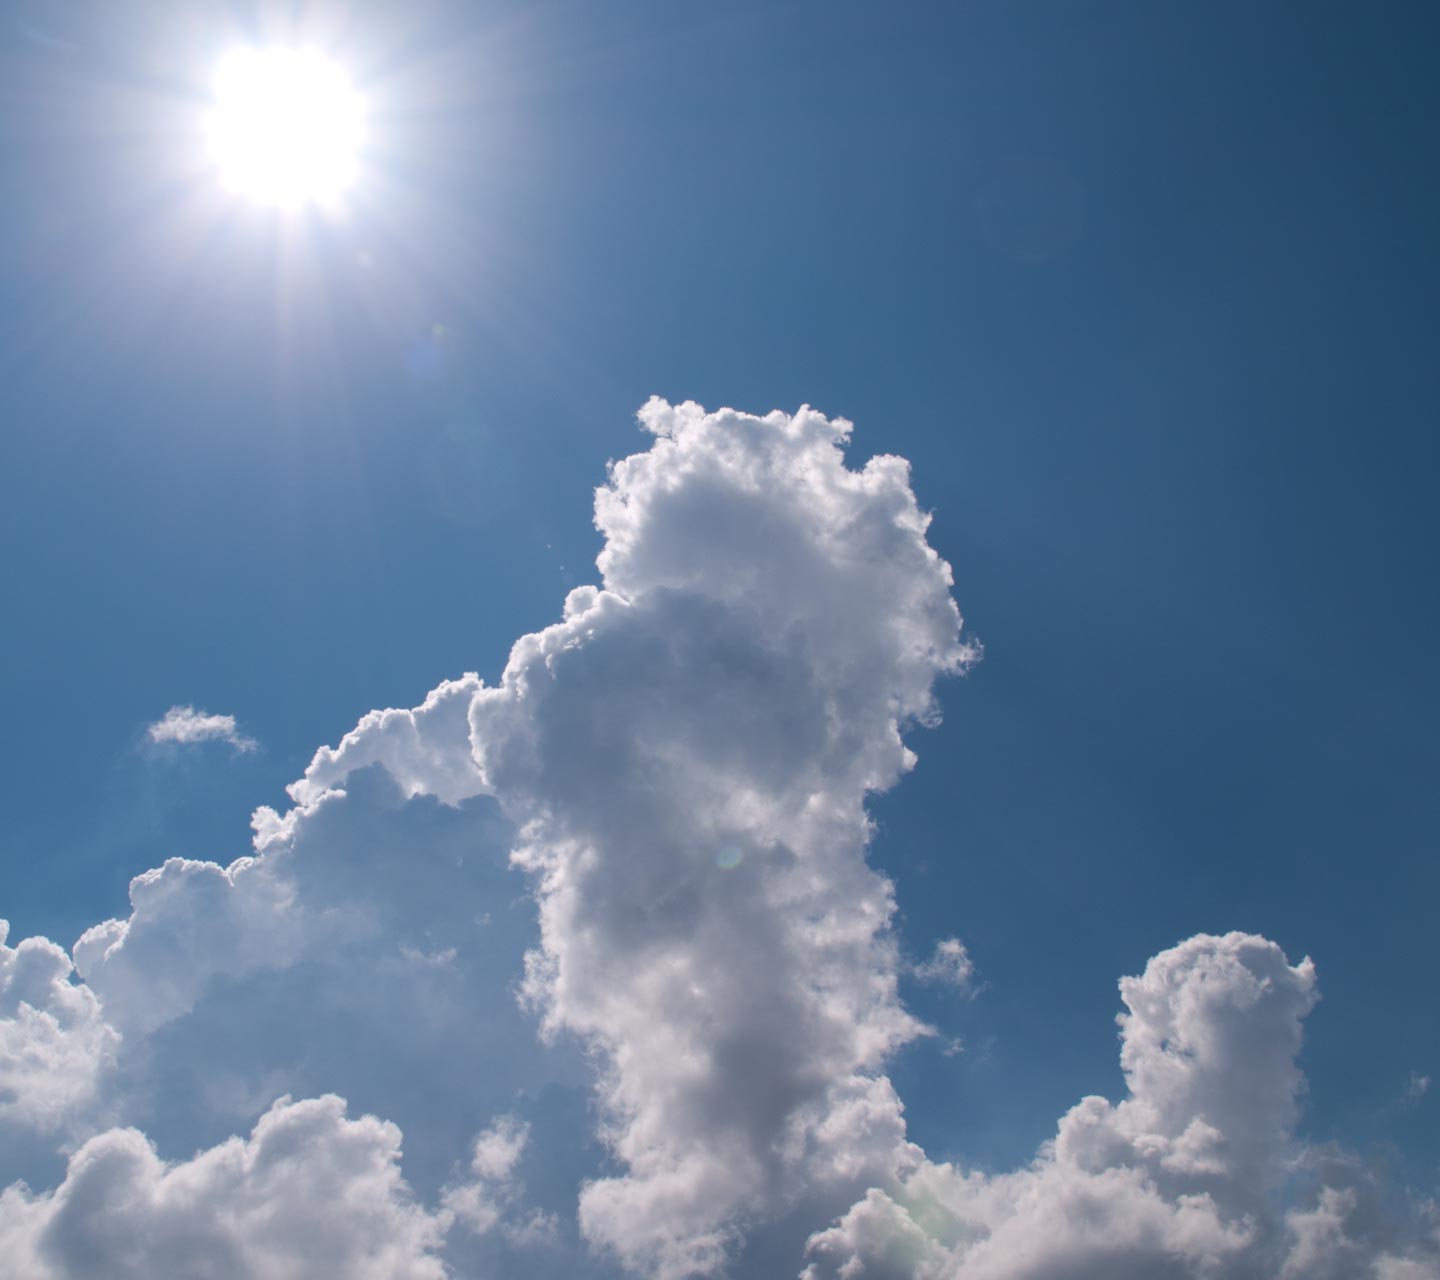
x: 1142, y: 292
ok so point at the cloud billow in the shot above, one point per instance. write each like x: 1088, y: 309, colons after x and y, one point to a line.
x: 635, y: 869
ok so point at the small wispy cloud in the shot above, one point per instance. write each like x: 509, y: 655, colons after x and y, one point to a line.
x: 949, y: 965
x: 1418, y: 1087
x: 186, y: 725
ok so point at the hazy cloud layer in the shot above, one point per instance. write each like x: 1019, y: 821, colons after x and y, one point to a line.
x: 602, y: 940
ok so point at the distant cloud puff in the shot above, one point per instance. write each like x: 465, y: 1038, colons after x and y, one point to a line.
x: 492, y: 1197
x: 185, y: 725
x: 949, y: 965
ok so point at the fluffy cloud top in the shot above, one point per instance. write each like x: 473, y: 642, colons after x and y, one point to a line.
x: 190, y: 922
x: 185, y: 725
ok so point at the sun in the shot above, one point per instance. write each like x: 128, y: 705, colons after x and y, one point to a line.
x: 286, y: 127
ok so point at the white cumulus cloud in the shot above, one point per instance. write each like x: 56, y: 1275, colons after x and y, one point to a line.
x: 620, y: 900
x: 769, y: 621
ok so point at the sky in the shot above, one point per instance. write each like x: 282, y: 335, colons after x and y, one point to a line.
x: 728, y: 906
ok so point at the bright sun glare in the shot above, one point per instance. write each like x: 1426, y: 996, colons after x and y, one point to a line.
x: 286, y: 127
